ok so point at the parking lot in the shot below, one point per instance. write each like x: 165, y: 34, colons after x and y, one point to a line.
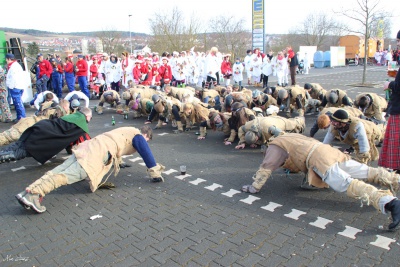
x: 197, y: 219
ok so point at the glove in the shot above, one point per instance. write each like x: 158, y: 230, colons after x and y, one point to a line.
x: 363, y: 157
x: 106, y: 185
x: 124, y: 165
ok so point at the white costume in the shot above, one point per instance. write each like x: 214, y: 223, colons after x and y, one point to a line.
x: 281, y: 68
x: 113, y: 72
x: 41, y: 97
x: 247, y: 65
x: 127, y: 66
x: 80, y: 96
x: 256, y: 64
x: 266, y: 66
x: 237, y: 70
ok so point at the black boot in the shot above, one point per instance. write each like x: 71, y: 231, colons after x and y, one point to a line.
x: 394, y: 208
x: 7, y: 156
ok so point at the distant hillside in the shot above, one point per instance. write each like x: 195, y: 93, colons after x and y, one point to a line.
x: 37, y: 33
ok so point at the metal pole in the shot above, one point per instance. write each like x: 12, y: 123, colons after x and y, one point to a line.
x: 130, y: 35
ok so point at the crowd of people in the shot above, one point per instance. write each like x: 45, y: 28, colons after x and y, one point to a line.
x: 185, y: 89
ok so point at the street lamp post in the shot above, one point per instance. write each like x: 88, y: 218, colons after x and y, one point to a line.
x: 130, y: 35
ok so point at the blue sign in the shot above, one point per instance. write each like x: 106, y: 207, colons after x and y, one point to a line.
x: 258, y: 5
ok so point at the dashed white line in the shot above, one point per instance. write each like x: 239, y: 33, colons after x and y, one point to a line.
x: 383, y: 242
x: 321, y: 222
x: 197, y: 181
x: 213, y: 187
x: 271, y: 206
x: 231, y: 193
x: 170, y: 171
x: 181, y: 177
x: 250, y: 199
x: 350, y: 232
x: 161, y: 134
x: 295, y: 214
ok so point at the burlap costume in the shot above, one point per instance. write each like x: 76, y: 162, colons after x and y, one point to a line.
x: 316, y: 91
x: 14, y: 133
x: 341, y: 94
x: 144, y: 92
x: 180, y: 93
x: 198, y: 114
x: 115, y: 100
x: 295, y: 94
x: 374, y: 134
x: 310, y: 156
x: 259, y: 102
x: 4, y: 107
x: 377, y: 105
x: 97, y: 157
x: 353, y: 112
x: 143, y: 106
x: 260, y: 125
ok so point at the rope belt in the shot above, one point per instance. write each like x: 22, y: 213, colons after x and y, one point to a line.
x: 310, y: 153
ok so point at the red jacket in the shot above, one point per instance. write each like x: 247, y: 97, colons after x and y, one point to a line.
x: 226, y: 67
x: 156, y: 74
x: 93, y: 71
x: 165, y: 72
x: 290, y: 53
x: 82, y: 67
x: 145, y: 68
x: 149, y: 79
x: 45, y: 68
x: 69, y: 67
x: 137, y: 74
x: 60, y: 68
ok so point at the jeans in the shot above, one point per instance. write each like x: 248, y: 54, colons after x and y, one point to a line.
x: 19, y: 106
x: 83, y: 84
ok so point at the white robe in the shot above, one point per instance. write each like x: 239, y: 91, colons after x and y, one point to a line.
x: 266, y: 66
x: 113, y: 72
x: 127, y: 73
x: 237, y: 70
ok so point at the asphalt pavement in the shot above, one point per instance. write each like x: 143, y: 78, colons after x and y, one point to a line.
x: 197, y: 219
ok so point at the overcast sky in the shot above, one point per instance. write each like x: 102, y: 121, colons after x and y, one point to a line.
x: 84, y: 15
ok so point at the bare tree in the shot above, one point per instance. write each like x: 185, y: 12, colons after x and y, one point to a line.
x: 367, y: 14
x: 110, y: 38
x: 171, y: 31
x: 230, y: 35
x: 316, y: 29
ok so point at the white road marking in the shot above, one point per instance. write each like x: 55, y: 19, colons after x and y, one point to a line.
x: 197, y: 181
x: 142, y: 163
x: 321, y: 222
x: 126, y: 156
x: 383, y: 242
x: 17, y: 169
x: 231, y: 193
x: 271, y: 206
x: 161, y: 134
x: 350, y: 232
x: 170, y: 171
x: 181, y: 177
x: 135, y: 159
x: 250, y: 199
x: 295, y: 214
x: 213, y: 187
